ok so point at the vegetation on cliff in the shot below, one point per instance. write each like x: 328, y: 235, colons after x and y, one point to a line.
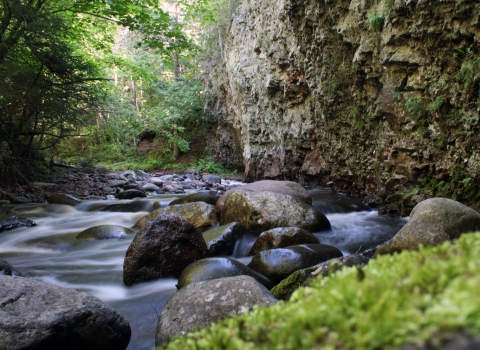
x: 407, y: 298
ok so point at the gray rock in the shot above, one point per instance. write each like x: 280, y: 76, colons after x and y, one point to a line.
x: 261, y: 211
x: 151, y: 188
x: 61, y: 198
x: 130, y: 194
x: 132, y: 186
x: 131, y: 207
x: 163, y: 248
x: 282, y: 237
x: 303, y: 277
x: 278, y: 264
x: 167, y: 178
x: 213, y: 179
x: 9, y: 270
x: 221, y: 240
x: 209, y: 197
x: 200, y: 304
x: 213, y: 268
x: 156, y: 181
x: 199, y: 214
x: 36, y: 315
x: 285, y: 187
x: 140, y: 174
x: 116, y: 183
x: 9, y: 222
x: 433, y: 222
x: 101, y: 232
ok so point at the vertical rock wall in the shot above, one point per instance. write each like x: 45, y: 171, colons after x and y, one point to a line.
x: 369, y: 94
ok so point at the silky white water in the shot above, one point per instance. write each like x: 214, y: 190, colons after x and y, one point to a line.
x: 50, y: 252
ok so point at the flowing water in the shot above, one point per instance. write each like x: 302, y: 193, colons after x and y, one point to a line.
x: 50, y: 252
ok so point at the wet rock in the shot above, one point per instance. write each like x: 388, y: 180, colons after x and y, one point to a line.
x: 132, y: 186
x: 278, y: 264
x: 36, y: 315
x: 221, y: 240
x: 9, y: 270
x: 282, y: 237
x: 163, y: 248
x: 199, y: 214
x: 9, y: 222
x: 284, y: 187
x: 116, y: 183
x: 101, y: 232
x: 303, y: 277
x: 213, y: 268
x: 132, y: 207
x: 261, y: 211
x: 61, y: 198
x: 130, y: 194
x: 213, y: 179
x: 156, y: 181
x: 209, y: 197
x: 433, y: 222
x: 151, y: 188
x: 200, y: 304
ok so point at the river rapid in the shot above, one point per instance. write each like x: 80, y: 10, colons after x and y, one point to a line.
x: 50, y: 252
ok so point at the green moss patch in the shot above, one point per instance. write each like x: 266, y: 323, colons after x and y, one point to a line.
x: 396, y: 299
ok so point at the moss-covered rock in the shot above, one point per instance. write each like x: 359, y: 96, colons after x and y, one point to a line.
x: 406, y: 298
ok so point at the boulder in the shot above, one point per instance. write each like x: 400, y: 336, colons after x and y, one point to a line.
x: 9, y: 270
x: 303, y: 277
x: 285, y: 187
x: 199, y: 214
x: 140, y: 174
x: 200, y: 304
x: 156, y: 181
x: 213, y: 179
x: 104, y: 232
x: 282, y: 237
x: 221, y: 240
x: 262, y: 211
x: 278, y: 264
x: 132, y: 186
x: 131, y: 207
x: 61, y: 198
x: 36, y: 315
x: 116, y: 183
x: 433, y: 222
x: 209, y: 197
x: 163, y: 248
x: 213, y: 268
x: 151, y: 188
x: 130, y: 194
x: 9, y: 222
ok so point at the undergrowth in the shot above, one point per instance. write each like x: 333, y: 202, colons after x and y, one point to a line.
x: 395, y: 300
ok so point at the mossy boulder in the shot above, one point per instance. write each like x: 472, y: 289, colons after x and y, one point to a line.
x: 282, y: 237
x: 221, y: 240
x: 433, y: 222
x: 261, y: 211
x: 61, y: 198
x: 199, y: 214
x: 304, y: 277
x: 278, y: 264
x: 209, y: 197
x: 101, y: 232
x: 394, y: 301
x: 213, y: 268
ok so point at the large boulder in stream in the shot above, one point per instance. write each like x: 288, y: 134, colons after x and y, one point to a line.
x: 261, y: 211
x: 433, y: 222
x: 61, y: 198
x: 36, y: 315
x: 209, y: 197
x: 101, y: 232
x: 282, y: 237
x: 278, y: 264
x: 199, y: 214
x: 200, y: 304
x: 221, y: 240
x: 213, y: 268
x: 9, y: 222
x: 163, y: 248
x: 284, y: 187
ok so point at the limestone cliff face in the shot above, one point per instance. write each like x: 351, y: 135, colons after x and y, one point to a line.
x: 378, y: 96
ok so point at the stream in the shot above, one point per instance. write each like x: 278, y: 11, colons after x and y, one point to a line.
x: 49, y: 252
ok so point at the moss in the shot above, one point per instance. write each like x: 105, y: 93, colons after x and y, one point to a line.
x: 403, y: 298
x: 285, y: 288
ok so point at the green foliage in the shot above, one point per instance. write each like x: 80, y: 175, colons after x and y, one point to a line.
x: 398, y: 299
x: 436, y: 104
x: 376, y: 21
x: 208, y: 164
x: 469, y: 72
x: 415, y: 107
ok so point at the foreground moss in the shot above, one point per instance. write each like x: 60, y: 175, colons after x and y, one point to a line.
x: 395, y: 300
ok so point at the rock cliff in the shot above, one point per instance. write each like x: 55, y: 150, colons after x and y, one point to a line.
x: 379, y: 96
